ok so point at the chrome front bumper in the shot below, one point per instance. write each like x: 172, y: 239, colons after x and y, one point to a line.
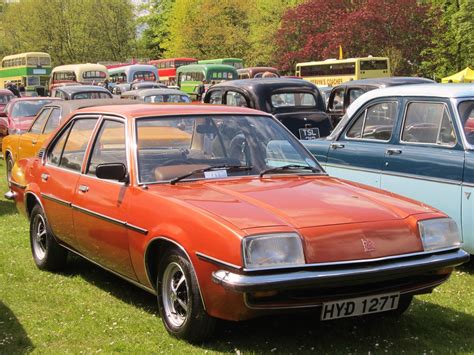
x: 331, y: 276
x: 10, y: 195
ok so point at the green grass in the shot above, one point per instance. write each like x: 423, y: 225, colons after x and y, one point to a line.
x: 86, y: 309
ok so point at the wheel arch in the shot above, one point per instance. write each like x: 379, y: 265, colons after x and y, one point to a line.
x: 154, y: 250
x: 31, y: 200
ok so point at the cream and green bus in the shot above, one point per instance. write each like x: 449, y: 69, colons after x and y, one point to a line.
x: 332, y: 72
x: 30, y: 69
x: 89, y: 73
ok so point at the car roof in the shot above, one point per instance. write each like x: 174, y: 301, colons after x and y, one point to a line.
x: 157, y: 91
x: 72, y: 105
x: 418, y: 90
x: 260, y: 83
x: 389, y: 81
x: 6, y: 92
x: 81, y: 88
x: 143, y: 110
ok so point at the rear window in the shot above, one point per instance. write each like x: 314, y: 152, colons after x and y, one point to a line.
x: 293, y: 99
x: 5, y: 98
x: 91, y: 95
x: 95, y: 74
x: 28, y: 108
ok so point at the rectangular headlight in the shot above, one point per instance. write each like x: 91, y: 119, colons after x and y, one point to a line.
x: 273, y: 250
x: 439, y: 233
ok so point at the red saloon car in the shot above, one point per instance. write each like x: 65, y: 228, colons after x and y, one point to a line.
x: 222, y: 213
x: 19, y: 113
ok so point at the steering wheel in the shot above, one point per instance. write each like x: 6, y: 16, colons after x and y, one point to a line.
x: 238, y: 147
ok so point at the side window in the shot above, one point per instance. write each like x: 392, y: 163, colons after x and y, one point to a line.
x: 235, y: 99
x: 53, y: 121
x: 338, y: 100
x: 76, y: 143
x: 54, y: 155
x: 354, y: 94
x: 375, y: 123
x: 39, y: 122
x: 109, y: 146
x: 216, y: 97
x: 428, y: 123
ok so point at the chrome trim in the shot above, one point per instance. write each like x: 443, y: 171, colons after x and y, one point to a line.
x: 212, y: 260
x: 391, y: 173
x: 143, y: 287
x: 20, y: 186
x: 468, y: 184
x: 356, y: 262
x: 110, y: 219
x: 334, y: 276
x: 187, y: 255
x: 55, y: 199
x: 10, y: 195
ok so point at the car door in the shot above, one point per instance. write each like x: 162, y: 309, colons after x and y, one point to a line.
x: 100, y: 206
x: 427, y: 161
x: 60, y: 174
x: 359, y: 151
x: 28, y: 141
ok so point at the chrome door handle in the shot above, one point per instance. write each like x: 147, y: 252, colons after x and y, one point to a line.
x: 44, y: 177
x: 337, y: 145
x: 83, y: 188
x: 392, y: 151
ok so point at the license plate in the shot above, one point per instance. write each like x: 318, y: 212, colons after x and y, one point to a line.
x: 359, y: 306
x: 309, y: 133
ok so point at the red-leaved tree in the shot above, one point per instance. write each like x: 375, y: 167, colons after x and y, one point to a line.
x: 399, y: 29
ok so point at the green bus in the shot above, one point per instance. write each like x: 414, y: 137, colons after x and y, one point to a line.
x: 237, y: 63
x: 191, y: 76
x: 30, y: 69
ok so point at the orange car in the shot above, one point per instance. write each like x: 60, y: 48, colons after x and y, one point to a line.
x: 232, y: 218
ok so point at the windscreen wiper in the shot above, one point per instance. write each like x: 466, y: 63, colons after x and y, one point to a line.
x: 289, y: 167
x: 210, y: 168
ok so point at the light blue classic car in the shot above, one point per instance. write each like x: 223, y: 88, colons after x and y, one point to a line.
x: 416, y: 141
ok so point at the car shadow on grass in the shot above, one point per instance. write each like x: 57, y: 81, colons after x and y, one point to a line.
x: 7, y: 208
x: 13, y: 338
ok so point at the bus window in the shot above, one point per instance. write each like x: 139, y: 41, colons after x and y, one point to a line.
x: 144, y: 75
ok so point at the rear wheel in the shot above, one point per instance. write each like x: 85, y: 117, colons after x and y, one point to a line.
x: 47, y: 253
x: 179, y: 300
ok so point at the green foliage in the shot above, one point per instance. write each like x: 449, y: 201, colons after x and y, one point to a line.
x: 71, y: 30
x: 452, y: 46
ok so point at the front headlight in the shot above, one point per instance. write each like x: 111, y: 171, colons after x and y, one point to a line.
x: 440, y: 233
x: 273, y: 250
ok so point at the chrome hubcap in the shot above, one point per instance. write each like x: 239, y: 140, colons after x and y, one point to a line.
x: 175, y: 293
x: 39, y: 237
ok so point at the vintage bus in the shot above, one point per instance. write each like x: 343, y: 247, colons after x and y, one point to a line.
x: 332, y: 72
x: 30, y: 69
x: 258, y: 72
x: 135, y: 72
x: 191, y: 76
x: 237, y: 63
x: 167, y: 68
x: 78, y: 74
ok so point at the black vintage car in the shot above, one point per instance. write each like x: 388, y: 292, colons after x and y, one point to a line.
x: 81, y: 92
x: 295, y: 103
x: 343, y: 95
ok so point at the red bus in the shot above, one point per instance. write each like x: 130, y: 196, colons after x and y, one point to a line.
x: 167, y: 68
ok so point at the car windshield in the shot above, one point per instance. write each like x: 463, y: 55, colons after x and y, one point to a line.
x: 169, y: 148
x: 466, y: 112
x: 91, y: 95
x: 167, y: 98
x: 289, y: 99
x: 27, y: 108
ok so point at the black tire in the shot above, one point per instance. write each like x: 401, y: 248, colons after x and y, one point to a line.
x: 47, y: 253
x: 403, y: 305
x: 192, y: 324
x: 9, y: 166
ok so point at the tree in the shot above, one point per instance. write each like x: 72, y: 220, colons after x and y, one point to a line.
x: 315, y: 29
x: 71, y: 30
x: 208, y: 29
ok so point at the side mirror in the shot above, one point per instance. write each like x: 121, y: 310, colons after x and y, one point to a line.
x: 112, y: 171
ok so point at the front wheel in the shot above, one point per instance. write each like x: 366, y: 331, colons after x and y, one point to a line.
x: 179, y: 299
x: 47, y: 253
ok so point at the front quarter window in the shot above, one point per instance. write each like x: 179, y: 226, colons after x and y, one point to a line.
x: 466, y: 112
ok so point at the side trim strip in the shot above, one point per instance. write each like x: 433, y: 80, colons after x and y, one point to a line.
x: 55, y: 199
x: 110, y: 219
x: 217, y: 261
x: 143, y: 287
x: 390, y: 173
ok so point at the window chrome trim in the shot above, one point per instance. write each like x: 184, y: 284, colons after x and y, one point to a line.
x: 216, y: 261
x: 402, y: 127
